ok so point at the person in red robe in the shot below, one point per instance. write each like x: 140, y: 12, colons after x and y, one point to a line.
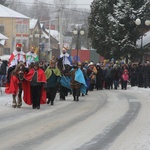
x: 34, y: 93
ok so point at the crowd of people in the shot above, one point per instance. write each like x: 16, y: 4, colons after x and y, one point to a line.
x: 43, y: 80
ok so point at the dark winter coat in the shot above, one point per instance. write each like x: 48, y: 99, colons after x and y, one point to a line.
x: 3, y: 68
x: 116, y: 74
x: 99, y: 75
x: 145, y: 71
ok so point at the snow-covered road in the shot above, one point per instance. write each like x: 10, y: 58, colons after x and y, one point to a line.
x: 102, y: 120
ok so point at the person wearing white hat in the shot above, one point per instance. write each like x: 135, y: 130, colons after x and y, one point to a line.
x: 91, y: 63
x: 66, y: 67
x: 98, y: 64
x: 66, y: 57
x: 91, y: 72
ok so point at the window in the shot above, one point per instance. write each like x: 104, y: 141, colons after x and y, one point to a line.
x: 2, y: 29
x: 6, y: 51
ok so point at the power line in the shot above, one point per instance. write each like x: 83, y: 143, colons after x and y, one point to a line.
x: 28, y: 3
x: 71, y: 9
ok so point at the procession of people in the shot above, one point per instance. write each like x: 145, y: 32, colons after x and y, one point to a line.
x: 41, y: 82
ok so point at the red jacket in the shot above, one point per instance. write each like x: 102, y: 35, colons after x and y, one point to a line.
x: 26, y: 86
x: 41, y: 75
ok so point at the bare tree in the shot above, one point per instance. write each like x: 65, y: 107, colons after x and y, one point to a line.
x: 4, y: 2
x: 71, y: 16
x: 39, y: 10
x: 18, y: 6
x: 64, y: 8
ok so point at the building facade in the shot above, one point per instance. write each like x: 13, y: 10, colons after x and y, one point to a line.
x: 16, y: 27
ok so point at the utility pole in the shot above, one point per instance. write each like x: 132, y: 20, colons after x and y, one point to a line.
x: 22, y: 29
x: 49, y: 40
x: 60, y: 30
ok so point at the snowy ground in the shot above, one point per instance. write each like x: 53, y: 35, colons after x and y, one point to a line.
x: 6, y: 100
x: 138, y: 131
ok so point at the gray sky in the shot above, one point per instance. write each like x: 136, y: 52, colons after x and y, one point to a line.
x: 84, y: 3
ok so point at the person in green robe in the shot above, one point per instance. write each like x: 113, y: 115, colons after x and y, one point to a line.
x: 53, y: 76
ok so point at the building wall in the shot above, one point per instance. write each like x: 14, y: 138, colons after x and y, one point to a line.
x: 86, y: 55
x: 17, y: 30
x: 35, y: 39
x: 94, y: 56
x: 8, y: 31
x: 21, y: 28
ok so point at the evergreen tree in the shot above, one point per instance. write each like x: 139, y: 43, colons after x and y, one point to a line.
x: 126, y: 15
x: 100, y: 27
x: 112, y: 28
x: 124, y: 40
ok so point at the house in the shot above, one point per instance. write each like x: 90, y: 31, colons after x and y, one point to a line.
x: 3, y: 38
x: 16, y: 27
x: 144, y: 41
x: 41, y: 38
x: 35, y: 32
x: 54, y: 43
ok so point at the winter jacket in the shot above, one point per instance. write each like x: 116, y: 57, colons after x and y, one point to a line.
x: 3, y: 67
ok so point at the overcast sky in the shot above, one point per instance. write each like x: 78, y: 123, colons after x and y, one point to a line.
x: 81, y: 3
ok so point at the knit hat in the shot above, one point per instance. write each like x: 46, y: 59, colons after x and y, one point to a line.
x: 125, y: 71
x: 98, y: 64
x: 90, y: 64
x: 36, y: 64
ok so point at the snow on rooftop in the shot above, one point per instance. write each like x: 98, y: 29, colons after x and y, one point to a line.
x: 42, y: 25
x: 6, y: 12
x: 33, y: 23
x: 3, y: 37
x: 45, y: 35
x: 83, y: 48
x: 54, y: 33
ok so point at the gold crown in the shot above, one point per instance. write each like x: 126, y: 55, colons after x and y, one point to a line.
x: 52, y: 61
x: 33, y: 47
x: 79, y: 64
